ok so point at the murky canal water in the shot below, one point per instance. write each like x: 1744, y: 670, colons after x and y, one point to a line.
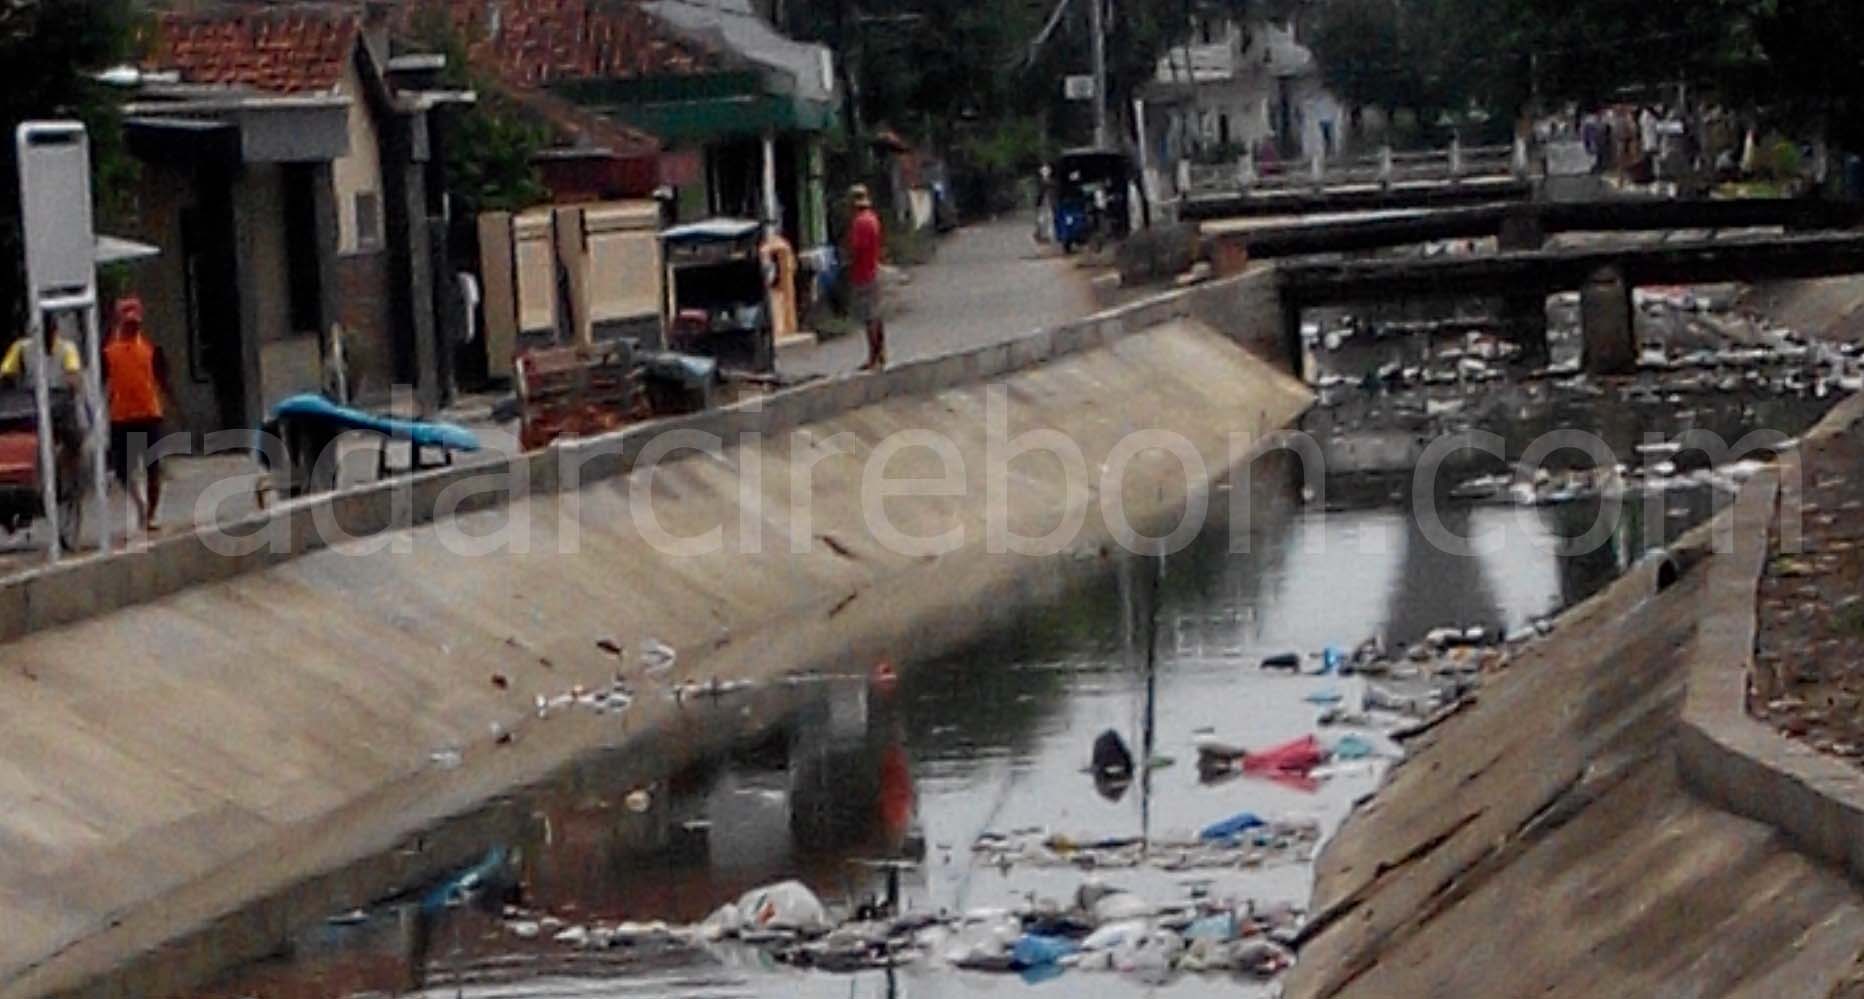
x: 995, y: 740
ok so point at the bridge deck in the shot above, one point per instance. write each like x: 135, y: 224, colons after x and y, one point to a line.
x: 1346, y: 233
x: 1753, y: 259
x: 1357, y: 197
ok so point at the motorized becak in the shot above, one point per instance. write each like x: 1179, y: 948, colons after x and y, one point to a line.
x: 22, y: 499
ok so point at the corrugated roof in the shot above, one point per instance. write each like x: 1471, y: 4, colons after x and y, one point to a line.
x: 748, y: 34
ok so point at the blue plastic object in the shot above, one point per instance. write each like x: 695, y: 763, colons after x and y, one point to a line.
x: 1325, y: 698
x: 456, y: 888
x: 1232, y: 827
x: 1352, y: 747
x: 1034, y: 950
x: 310, y: 406
x: 1333, y: 659
x: 1220, y: 927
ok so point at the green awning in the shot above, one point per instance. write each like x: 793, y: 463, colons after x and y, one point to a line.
x: 699, y: 121
x: 702, y: 107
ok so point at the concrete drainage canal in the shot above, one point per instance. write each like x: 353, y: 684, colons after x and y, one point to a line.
x: 937, y: 829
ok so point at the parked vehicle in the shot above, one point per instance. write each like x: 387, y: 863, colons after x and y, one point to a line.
x: 1092, y: 204
x: 717, y: 294
x: 22, y: 500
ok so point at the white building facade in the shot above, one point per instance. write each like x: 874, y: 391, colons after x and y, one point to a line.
x: 1240, y: 87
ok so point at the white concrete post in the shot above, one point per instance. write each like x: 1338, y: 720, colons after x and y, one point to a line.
x: 1385, y: 166
x: 1184, y: 176
x: 1246, y: 169
x: 1318, y: 165
x: 1456, y: 157
x: 99, y: 410
x: 773, y: 213
x: 1520, y: 157
x: 36, y: 362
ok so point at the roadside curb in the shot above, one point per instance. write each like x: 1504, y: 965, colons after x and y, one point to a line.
x: 1724, y: 755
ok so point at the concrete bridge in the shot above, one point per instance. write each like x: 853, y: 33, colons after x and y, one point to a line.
x: 1604, y: 276
x: 1545, y: 272
x: 1385, y: 168
x: 1524, y: 226
x: 1357, y: 197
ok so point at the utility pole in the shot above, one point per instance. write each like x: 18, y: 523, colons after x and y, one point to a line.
x: 1097, y: 18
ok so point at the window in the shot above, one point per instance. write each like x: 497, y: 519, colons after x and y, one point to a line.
x: 368, y: 220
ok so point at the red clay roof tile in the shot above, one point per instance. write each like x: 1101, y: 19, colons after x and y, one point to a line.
x: 282, y: 49
x: 537, y: 42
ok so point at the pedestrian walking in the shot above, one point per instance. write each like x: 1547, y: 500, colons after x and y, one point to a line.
x: 864, y: 244
x: 59, y: 349
x: 136, y: 377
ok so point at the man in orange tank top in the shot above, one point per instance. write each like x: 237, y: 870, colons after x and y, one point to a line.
x: 136, y: 375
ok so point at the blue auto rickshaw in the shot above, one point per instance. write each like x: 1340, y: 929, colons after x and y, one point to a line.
x: 1092, y: 204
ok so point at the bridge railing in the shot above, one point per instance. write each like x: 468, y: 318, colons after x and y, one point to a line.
x: 1450, y: 165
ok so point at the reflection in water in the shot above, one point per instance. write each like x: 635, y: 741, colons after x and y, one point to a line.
x: 853, y: 775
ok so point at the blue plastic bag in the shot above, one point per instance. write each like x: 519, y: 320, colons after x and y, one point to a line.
x: 1352, y: 747
x: 1220, y: 927
x: 1033, y: 950
x: 1232, y: 827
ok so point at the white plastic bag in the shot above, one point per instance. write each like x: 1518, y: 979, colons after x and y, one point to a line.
x: 786, y: 906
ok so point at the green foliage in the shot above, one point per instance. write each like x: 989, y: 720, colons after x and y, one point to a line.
x: 1804, y: 57
x: 489, y: 157
x: 52, y: 49
x: 1778, y: 159
x: 491, y: 146
x: 967, y: 78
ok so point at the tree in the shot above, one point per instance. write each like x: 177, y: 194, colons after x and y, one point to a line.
x: 1361, y: 56
x: 1805, y: 56
x: 53, y: 50
x: 491, y: 146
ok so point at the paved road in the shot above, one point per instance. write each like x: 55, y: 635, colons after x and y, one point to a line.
x: 989, y: 282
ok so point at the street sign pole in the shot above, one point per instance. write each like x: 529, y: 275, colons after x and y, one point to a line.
x: 1098, y: 20
x: 61, y: 278
x: 42, y: 404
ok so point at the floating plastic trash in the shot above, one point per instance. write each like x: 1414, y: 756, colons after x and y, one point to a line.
x: 1232, y: 827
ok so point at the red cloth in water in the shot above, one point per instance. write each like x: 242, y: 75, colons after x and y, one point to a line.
x: 1297, y: 757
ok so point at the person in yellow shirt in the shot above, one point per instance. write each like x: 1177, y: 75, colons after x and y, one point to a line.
x: 57, y: 347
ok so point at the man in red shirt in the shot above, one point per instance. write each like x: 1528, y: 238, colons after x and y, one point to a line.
x: 136, y: 375
x: 864, y: 243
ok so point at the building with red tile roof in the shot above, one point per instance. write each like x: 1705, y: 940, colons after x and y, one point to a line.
x: 283, y: 49
x: 292, y: 176
x: 711, y: 79
x: 535, y: 43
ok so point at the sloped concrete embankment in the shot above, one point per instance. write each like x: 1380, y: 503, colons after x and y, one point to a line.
x: 200, y: 752
x: 1747, y: 766
x: 1545, y: 843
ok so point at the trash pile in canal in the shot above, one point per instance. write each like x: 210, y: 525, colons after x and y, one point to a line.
x: 1102, y: 929
x: 1708, y: 374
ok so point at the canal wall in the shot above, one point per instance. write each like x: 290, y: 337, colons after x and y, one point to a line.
x: 1245, y: 308
x: 202, y: 751
x: 1728, y: 757
x: 1551, y: 841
